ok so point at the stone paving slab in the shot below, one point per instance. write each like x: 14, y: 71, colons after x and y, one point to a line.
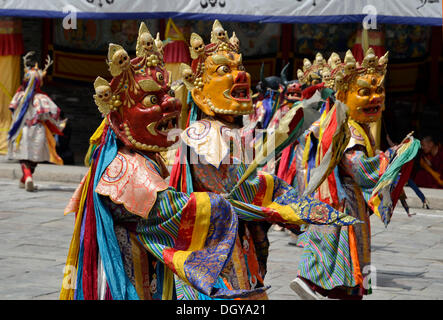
x: 44, y: 172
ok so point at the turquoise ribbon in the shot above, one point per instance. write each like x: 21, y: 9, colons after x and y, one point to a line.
x: 119, y: 283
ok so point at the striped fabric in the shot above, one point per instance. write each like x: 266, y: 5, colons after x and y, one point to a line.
x: 365, y: 170
x: 20, y: 111
x: 326, y: 259
x: 190, y: 235
x: 101, y: 238
x: 334, y: 258
x: 248, y: 190
x: 276, y: 201
x: 390, y: 185
x: 194, y: 238
x: 249, y: 212
x: 185, y: 292
x: 161, y: 228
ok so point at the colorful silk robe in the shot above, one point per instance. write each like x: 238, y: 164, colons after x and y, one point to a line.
x: 137, y: 238
x: 36, y: 118
x: 336, y: 261
x: 291, y: 168
x: 209, y: 162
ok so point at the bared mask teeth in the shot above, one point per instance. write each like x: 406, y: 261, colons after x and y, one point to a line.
x: 151, y: 128
x: 164, y: 125
x: 372, y: 110
x: 240, y: 92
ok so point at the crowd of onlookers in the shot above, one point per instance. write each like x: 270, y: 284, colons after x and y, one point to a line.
x: 428, y: 171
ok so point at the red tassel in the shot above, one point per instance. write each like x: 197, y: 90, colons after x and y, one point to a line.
x: 291, y: 173
x: 90, y: 255
x: 404, y: 177
x: 175, y: 171
x: 309, y: 92
x: 284, y: 162
x: 53, y: 128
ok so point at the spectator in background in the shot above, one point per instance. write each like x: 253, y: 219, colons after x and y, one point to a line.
x: 430, y: 171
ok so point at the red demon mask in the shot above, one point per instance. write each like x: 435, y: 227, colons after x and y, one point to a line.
x: 139, y: 103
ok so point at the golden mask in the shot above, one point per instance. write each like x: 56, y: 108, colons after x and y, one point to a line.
x: 365, y: 98
x: 217, y: 78
x: 226, y: 88
x: 361, y: 88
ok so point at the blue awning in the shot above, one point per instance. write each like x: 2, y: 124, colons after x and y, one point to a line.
x: 416, y: 12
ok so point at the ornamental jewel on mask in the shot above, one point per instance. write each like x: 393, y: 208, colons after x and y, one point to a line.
x: 216, y: 78
x: 138, y: 102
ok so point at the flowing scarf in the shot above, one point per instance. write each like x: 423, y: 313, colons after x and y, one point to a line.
x: 94, y: 229
x: 119, y: 284
x: 23, y: 107
x: 387, y: 190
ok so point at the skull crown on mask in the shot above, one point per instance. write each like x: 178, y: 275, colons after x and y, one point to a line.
x: 361, y: 88
x: 138, y: 103
x: 218, y: 82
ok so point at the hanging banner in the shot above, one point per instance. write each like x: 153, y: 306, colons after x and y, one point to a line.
x: 418, y: 12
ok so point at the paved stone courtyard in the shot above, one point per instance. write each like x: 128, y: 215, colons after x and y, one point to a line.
x: 35, y: 237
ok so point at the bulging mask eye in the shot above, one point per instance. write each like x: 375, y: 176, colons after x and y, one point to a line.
x: 379, y: 90
x: 160, y: 77
x: 222, y: 70
x: 171, y: 93
x: 150, y: 101
x: 363, y: 92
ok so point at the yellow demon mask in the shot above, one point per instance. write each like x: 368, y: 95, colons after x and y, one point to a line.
x: 219, y: 83
x: 226, y: 86
x: 361, y: 88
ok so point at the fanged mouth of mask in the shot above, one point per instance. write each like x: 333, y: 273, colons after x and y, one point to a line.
x: 166, y: 124
x: 372, y: 110
x: 163, y: 125
x: 240, y: 92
